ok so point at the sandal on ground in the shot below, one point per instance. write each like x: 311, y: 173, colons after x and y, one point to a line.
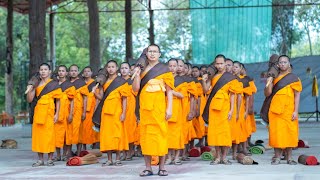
x: 168, y: 161
x: 215, y: 162
x: 38, y: 163
x: 163, y: 172
x: 108, y: 163
x: 146, y: 173
x: 64, y: 158
x: 275, y: 161
x: 185, y: 158
x: 50, y: 163
x: 177, y: 162
x: 129, y: 158
x: 118, y: 163
x: 56, y: 159
x: 292, y: 162
x: 226, y: 162
x: 123, y: 158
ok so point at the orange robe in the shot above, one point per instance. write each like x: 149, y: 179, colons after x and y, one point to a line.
x: 251, y: 118
x: 235, y: 127
x: 283, y: 132
x: 113, y: 134
x: 188, y: 129
x: 219, y: 129
x: 43, y: 136
x: 175, y: 130
x: 131, y: 121
x: 87, y: 134
x: 77, y: 113
x: 153, y: 125
x: 62, y: 133
x: 198, y: 122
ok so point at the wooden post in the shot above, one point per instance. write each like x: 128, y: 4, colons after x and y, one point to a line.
x: 129, y: 53
x: 94, y: 46
x: 9, y: 60
x: 37, y: 34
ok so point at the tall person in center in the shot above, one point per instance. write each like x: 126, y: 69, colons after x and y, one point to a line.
x: 219, y: 109
x: 154, y: 85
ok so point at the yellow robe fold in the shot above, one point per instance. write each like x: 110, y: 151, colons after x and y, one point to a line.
x: 188, y: 129
x: 235, y: 127
x: 198, y: 122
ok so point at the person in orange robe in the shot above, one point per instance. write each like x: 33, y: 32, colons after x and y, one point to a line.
x: 80, y: 105
x: 250, y: 121
x: 175, y: 130
x: 65, y: 117
x: 130, y: 123
x: 198, y: 122
x: 187, y: 107
x: 87, y: 134
x: 220, y: 111
x: 243, y: 113
x: 46, y: 113
x: 234, y: 122
x: 283, y: 113
x: 155, y: 109
x: 113, y: 136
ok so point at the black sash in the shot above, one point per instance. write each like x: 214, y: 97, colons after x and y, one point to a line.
x: 65, y: 85
x: 130, y: 81
x: 117, y: 82
x: 51, y: 86
x: 155, y: 71
x: 91, y: 85
x: 224, y: 79
x: 178, y: 80
x: 79, y: 83
x: 286, y: 80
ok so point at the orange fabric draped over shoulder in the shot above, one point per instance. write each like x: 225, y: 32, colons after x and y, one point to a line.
x: 63, y: 130
x: 219, y: 128
x: 153, y: 125
x: 283, y: 131
x: 113, y: 134
x: 43, y: 135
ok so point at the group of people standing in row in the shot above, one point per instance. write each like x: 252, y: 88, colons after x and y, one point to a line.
x: 163, y: 108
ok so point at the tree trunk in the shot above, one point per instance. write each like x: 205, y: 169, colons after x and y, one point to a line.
x: 309, y: 38
x: 129, y: 52
x: 94, y: 46
x: 9, y: 62
x: 37, y: 34
x: 151, y: 28
x: 52, y: 41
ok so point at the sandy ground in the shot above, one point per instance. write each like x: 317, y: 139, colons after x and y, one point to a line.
x: 16, y: 163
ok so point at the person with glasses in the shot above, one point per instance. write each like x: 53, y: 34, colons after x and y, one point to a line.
x: 154, y: 108
x: 283, y: 111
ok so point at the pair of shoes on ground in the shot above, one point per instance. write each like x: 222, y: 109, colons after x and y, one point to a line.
x: 276, y: 161
x: 110, y: 163
x: 41, y: 163
x: 174, y: 162
x: 218, y: 161
x: 146, y: 172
